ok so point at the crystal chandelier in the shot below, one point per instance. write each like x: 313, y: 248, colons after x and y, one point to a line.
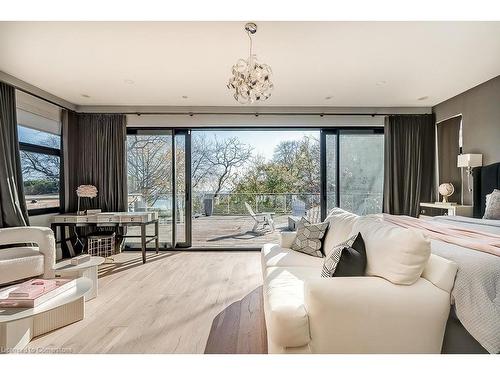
x: 250, y: 79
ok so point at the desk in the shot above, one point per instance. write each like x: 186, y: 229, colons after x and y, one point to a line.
x: 116, y: 219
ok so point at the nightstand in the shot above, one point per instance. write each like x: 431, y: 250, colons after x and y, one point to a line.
x: 435, y: 209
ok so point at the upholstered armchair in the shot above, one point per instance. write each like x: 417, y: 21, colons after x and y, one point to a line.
x: 34, y: 256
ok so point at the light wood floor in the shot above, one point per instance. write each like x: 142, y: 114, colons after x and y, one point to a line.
x: 178, y: 302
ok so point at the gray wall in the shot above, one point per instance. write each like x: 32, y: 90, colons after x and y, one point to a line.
x: 480, y: 109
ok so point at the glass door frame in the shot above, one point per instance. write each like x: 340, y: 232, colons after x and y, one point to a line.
x: 187, y: 189
x: 324, y: 173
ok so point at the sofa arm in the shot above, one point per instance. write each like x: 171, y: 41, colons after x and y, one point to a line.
x: 286, y: 239
x: 372, y: 315
x: 43, y: 237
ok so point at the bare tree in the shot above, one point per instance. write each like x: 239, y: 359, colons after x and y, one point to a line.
x: 40, y: 165
x: 200, y: 163
x: 149, y: 166
x: 225, y: 157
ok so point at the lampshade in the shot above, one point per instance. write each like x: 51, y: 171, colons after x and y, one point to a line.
x: 469, y: 160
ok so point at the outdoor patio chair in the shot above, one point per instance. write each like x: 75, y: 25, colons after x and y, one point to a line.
x: 314, y: 214
x: 298, y: 211
x: 261, y: 218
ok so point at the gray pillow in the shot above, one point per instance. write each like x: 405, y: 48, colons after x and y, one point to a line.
x: 492, y: 206
x: 309, y: 239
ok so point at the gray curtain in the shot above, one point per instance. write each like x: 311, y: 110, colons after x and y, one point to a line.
x: 94, y: 149
x: 409, y: 157
x: 13, y: 210
x: 448, y: 135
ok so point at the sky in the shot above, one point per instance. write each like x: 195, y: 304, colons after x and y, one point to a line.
x: 262, y: 141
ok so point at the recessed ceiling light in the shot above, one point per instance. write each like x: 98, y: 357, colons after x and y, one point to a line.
x: 85, y: 95
x: 381, y: 83
x: 423, y: 98
x: 184, y: 96
x: 328, y: 97
x: 128, y: 81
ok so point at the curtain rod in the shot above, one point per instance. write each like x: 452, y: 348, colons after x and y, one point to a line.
x: 257, y: 114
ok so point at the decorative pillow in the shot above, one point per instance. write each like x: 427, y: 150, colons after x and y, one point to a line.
x: 309, y: 238
x: 394, y: 253
x: 492, y: 205
x: 352, y: 259
x: 347, y: 259
x: 341, y: 223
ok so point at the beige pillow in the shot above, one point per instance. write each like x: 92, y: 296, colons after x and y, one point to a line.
x: 341, y: 223
x: 394, y: 253
x: 492, y: 210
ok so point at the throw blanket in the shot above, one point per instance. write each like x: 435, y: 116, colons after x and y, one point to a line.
x: 476, y: 293
x: 461, y: 236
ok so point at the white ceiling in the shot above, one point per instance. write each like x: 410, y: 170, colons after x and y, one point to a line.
x: 369, y: 64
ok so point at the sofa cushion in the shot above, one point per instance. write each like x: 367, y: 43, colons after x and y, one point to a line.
x: 275, y: 256
x: 286, y: 317
x: 341, y: 223
x: 19, y: 263
x: 394, y: 253
x: 309, y: 238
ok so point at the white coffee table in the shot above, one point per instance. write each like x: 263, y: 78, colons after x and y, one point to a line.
x: 19, y: 325
x: 88, y: 269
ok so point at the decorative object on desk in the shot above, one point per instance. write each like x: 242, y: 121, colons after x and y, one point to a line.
x: 446, y: 190
x: 80, y: 259
x: 85, y: 191
x: 469, y: 161
x: 250, y: 79
x: 93, y: 212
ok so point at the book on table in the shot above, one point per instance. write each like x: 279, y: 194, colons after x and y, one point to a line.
x: 34, y: 292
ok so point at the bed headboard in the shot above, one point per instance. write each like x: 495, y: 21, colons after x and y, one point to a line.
x: 486, y: 179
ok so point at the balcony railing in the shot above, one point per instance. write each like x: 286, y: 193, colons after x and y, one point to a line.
x: 234, y: 203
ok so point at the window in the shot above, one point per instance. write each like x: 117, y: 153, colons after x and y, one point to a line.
x: 40, y: 164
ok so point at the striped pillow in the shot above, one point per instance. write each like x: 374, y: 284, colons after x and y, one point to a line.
x: 332, y: 260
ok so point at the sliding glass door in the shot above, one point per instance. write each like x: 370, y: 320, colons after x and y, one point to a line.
x: 353, y: 166
x: 239, y: 188
x: 361, y: 171
x: 155, y: 159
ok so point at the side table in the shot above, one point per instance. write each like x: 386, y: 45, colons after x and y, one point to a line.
x: 86, y: 269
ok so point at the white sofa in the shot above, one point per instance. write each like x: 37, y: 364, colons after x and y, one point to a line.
x: 17, y: 263
x: 305, y: 313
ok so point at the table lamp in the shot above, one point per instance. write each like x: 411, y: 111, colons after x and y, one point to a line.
x: 469, y: 161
